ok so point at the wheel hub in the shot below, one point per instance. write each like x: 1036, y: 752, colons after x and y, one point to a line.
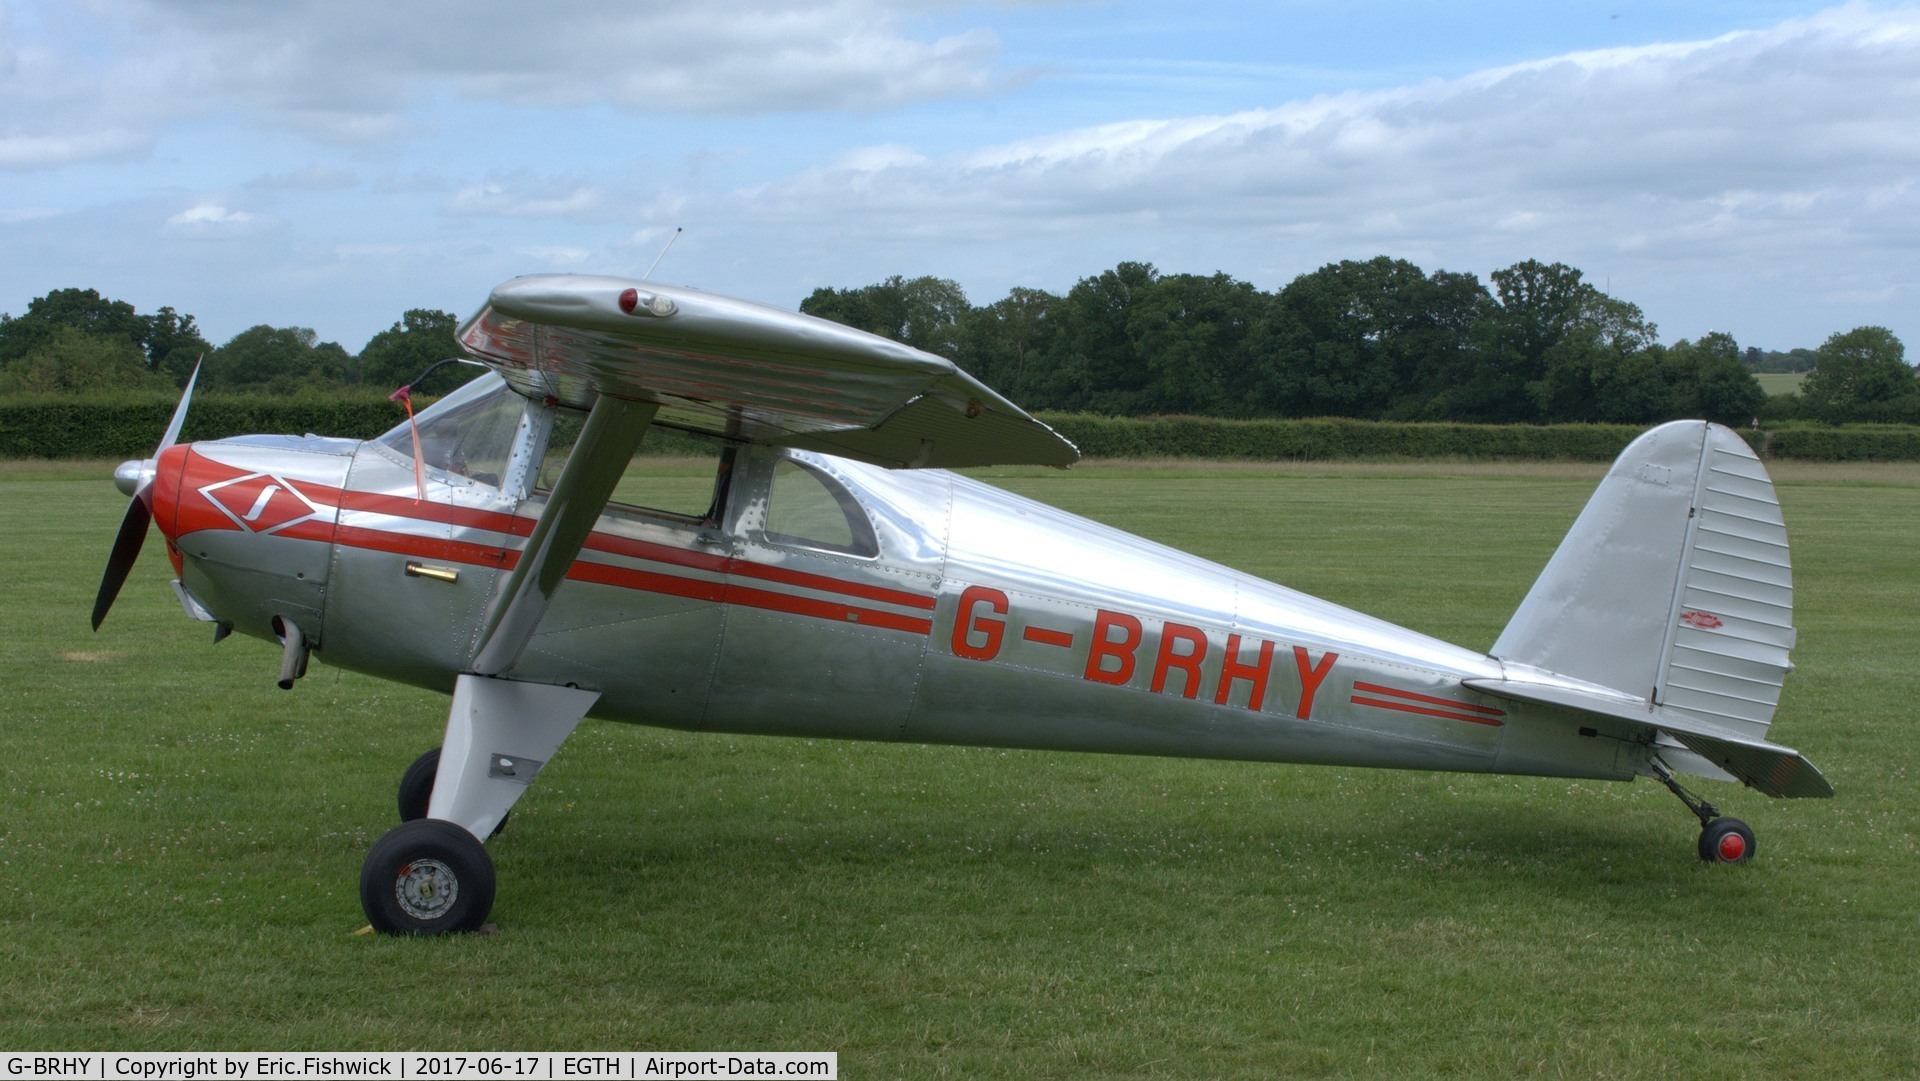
x: 426, y: 889
x: 1732, y: 847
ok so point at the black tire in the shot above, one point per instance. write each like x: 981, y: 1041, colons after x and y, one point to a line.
x: 1726, y: 840
x: 427, y: 877
x: 416, y: 791
x: 416, y: 786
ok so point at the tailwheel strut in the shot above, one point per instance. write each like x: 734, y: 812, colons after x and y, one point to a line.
x: 1722, y: 839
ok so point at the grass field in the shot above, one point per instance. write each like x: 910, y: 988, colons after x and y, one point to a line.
x: 1780, y: 382
x: 181, y: 843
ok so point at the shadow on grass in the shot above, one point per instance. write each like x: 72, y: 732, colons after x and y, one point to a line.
x: 1467, y: 856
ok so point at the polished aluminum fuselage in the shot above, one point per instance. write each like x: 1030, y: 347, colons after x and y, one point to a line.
x: 982, y: 618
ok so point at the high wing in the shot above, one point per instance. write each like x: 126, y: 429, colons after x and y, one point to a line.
x: 635, y: 354
x: 745, y: 371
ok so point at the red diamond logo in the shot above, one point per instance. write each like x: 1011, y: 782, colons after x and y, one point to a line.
x: 1706, y: 621
x: 260, y: 502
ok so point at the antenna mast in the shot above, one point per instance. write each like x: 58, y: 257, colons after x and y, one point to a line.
x: 677, y: 230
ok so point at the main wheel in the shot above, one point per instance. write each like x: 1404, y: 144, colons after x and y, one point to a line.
x: 427, y: 877
x: 416, y: 786
x: 1726, y: 840
x: 416, y: 790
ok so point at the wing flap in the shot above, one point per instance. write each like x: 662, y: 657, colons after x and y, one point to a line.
x: 744, y: 371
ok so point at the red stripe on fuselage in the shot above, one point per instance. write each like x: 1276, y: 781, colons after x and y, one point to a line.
x: 1394, y: 692
x: 203, y: 515
x: 437, y: 548
x: 672, y: 584
x: 1451, y: 710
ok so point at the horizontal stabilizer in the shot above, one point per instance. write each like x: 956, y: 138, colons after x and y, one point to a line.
x: 1774, y: 770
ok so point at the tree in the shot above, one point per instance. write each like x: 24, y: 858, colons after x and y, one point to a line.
x: 1549, y: 349
x: 167, y: 340
x: 174, y: 345
x: 84, y: 310
x: 68, y: 360
x: 277, y: 360
x: 1318, y: 345
x: 1005, y: 345
x: 1192, y: 332
x: 1097, y: 359
x: 401, y: 352
x: 1859, y: 367
x: 1367, y: 339
x: 1605, y: 367
x: 1433, y: 346
x: 923, y: 312
x: 1711, y: 379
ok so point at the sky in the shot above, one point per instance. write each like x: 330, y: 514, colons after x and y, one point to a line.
x: 1745, y: 167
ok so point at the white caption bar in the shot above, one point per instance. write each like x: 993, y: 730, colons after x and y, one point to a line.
x: 419, y: 1065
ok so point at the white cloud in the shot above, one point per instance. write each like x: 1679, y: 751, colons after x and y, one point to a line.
x: 521, y: 195
x: 354, y: 71
x: 1777, y: 169
x: 212, y: 219
x: 24, y: 214
x: 558, y: 257
x: 47, y: 151
x: 1722, y: 139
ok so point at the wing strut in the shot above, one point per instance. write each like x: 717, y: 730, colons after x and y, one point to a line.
x: 606, y: 443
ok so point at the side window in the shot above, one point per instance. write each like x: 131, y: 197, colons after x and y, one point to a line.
x: 691, y: 486
x: 807, y: 508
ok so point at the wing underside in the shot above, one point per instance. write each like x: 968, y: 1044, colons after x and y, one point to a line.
x: 744, y: 371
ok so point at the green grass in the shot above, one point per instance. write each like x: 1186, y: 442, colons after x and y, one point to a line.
x: 1780, y: 382
x: 181, y: 843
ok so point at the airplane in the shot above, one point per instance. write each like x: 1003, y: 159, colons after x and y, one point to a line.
x: 833, y: 577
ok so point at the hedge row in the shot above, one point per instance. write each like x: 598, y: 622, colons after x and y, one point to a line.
x: 122, y: 428
x: 1336, y: 439
x: 1876, y: 443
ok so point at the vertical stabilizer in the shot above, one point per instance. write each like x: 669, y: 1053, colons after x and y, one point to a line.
x: 1673, y: 586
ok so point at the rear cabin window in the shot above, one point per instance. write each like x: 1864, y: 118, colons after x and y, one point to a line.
x: 809, y: 509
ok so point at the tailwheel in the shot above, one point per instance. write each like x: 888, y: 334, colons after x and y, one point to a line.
x: 1722, y: 840
x: 427, y: 877
x: 1726, y: 840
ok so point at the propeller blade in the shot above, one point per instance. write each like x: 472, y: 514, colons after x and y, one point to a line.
x: 126, y: 549
x: 133, y: 526
x: 179, y: 411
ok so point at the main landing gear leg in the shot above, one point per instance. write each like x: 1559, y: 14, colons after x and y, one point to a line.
x: 1722, y: 840
x: 433, y: 875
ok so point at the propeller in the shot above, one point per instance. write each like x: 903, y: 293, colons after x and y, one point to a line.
x: 136, y: 479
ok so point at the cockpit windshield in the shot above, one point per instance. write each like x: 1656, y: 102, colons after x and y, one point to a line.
x: 469, y: 433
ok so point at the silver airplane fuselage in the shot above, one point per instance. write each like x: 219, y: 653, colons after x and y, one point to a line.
x: 938, y: 609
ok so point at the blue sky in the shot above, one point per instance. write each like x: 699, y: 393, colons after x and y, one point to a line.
x: 1748, y: 168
